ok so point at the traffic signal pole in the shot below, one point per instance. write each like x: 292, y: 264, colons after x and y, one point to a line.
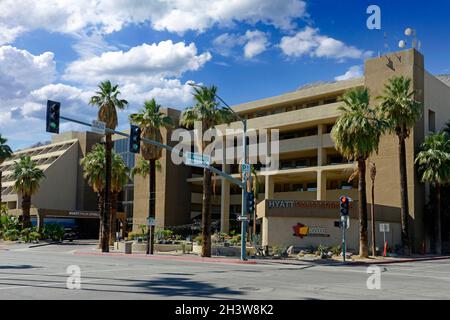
x: 244, y: 196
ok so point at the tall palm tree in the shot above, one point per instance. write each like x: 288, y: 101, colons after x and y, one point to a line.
x: 207, y: 110
x: 150, y: 119
x: 119, y: 177
x: 434, y: 167
x: 5, y: 153
x: 401, y: 111
x: 357, y: 135
x: 28, y: 177
x: 94, y: 173
x: 107, y: 100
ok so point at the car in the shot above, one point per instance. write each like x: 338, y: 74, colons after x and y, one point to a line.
x: 71, y: 234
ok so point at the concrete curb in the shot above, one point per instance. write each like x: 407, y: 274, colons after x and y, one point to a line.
x: 167, y: 257
x: 399, y: 261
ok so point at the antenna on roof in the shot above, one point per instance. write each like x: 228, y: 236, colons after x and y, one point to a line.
x: 415, y: 43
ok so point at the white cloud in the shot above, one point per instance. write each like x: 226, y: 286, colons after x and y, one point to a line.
x: 257, y: 43
x: 352, y: 72
x: 68, y: 16
x: 20, y: 71
x: 165, y: 59
x: 252, y: 43
x: 310, y: 42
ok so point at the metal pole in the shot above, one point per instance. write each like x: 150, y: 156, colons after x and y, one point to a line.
x: 244, y: 196
x: 344, y: 246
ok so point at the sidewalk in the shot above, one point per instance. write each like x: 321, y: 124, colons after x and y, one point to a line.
x: 260, y: 260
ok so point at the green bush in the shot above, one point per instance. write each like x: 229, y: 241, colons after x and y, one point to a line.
x: 29, y: 234
x: 198, y: 239
x: 336, y: 250
x: 53, y: 231
x: 11, y: 234
x: 235, y: 240
x: 163, y: 234
x: 9, y: 227
x: 135, y: 235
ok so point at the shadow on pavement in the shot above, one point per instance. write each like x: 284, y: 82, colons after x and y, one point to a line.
x: 19, y: 267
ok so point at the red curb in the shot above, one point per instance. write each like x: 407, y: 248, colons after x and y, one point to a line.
x: 157, y: 257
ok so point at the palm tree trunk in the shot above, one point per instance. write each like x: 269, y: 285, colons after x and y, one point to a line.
x: 437, y: 223
x: 206, y: 214
x: 107, y: 213
x: 113, y: 219
x: 374, y: 241
x: 0, y: 187
x: 404, y: 207
x: 363, y: 248
x: 152, y: 205
x: 26, y: 205
x: 101, y: 209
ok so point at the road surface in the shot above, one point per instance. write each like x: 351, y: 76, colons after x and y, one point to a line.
x: 41, y: 272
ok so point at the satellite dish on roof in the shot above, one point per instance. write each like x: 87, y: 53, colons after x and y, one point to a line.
x: 402, y: 44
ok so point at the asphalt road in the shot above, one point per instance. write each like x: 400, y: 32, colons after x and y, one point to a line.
x: 41, y: 273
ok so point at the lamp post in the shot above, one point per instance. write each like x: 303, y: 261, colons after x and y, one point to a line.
x: 244, y: 175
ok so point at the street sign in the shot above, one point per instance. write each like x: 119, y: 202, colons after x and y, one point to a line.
x: 384, y: 227
x: 197, y: 160
x: 246, y: 168
x: 98, y: 127
x: 150, y: 221
x: 242, y: 218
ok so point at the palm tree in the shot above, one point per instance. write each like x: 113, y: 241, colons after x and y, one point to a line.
x: 357, y: 135
x: 446, y: 129
x: 401, y: 112
x: 94, y: 172
x: 207, y: 110
x: 373, y: 174
x: 150, y: 119
x: 119, y: 177
x: 434, y: 167
x: 107, y: 101
x: 28, y: 177
x: 5, y: 153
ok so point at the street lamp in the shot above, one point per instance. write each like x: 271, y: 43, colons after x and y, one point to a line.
x: 244, y: 175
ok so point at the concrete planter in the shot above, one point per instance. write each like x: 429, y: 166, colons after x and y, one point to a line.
x: 221, y: 250
x: 141, y: 247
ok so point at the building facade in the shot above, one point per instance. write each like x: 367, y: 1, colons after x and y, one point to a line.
x: 63, y: 195
x: 304, y: 190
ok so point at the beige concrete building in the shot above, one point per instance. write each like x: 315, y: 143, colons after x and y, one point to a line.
x: 312, y: 173
x: 63, y: 194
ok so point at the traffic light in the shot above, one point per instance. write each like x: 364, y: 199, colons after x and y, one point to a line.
x: 53, y: 116
x: 250, y: 202
x: 135, y: 139
x: 344, y: 202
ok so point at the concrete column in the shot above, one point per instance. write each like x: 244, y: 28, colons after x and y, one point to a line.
x: 269, y: 188
x: 225, y: 203
x: 321, y: 185
x: 40, y: 221
x: 321, y: 152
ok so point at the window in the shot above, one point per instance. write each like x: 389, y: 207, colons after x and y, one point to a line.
x: 431, y: 121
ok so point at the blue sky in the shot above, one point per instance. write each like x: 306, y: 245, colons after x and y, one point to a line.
x: 250, y: 49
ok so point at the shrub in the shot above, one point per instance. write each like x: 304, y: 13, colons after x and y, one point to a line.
x: 29, y: 234
x: 198, y: 239
x: 163, y: 234
x: 11, y: 235
x: 9, y: 223
x: 279, y: 251
x: 235, y: 240
x: 53, y: 231
x: 135, y: 235
x: 336, y: 250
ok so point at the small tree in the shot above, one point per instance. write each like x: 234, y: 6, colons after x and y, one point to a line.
x: 434, y: 167
x: 5, y: 153
x: 28, y: 177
